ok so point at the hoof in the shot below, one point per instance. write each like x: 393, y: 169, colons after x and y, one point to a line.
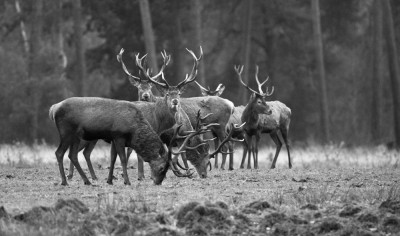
x: 249, y: 167
x: 241, y: 167
x: 64, y: 184
x: 127, y: 183
x: 110, y: 182
x: 231, y: 168
x: 69, y: 177
x: 95, y: 178
x: 88, y: 183
x: 273, y: 167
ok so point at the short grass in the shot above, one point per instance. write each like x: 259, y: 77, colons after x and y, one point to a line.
x: 331, y: 190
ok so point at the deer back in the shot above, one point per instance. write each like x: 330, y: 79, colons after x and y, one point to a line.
x: 280, y: 117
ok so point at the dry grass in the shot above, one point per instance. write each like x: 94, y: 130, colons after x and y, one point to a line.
x: 331, y: 190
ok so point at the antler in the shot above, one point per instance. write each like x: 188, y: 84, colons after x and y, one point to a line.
x: 239, y: 70
x: 139, y: 63
x: 200, y: 119
x: 202, y: 88
x: 192, y: 76
x: 119, y: 58
x: 228, y: 138
x: 261, y: 84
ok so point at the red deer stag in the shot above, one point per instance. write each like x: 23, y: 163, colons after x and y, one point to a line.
x: 251, y: 115
x: 234, y: 119
x: 220, y: 108
x: 161, y: 114
x: 122, y: 122
x: 278, y: 120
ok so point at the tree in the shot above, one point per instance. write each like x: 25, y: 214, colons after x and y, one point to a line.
x: 319, y: 51
x: 149, y: 39
x: 79, y: 50
x: 247, y: 47
x: 196, y: 7
x: 376, y: 71
x: 393, y: 67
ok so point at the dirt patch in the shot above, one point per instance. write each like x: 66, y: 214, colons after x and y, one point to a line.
x: 391, y: 224
x: 391, y: 206
x: 329, y: 224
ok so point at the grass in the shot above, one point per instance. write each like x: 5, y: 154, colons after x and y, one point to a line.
x: 331, y: 190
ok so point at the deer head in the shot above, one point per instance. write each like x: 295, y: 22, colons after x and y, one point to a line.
x: 172, y: 93
x: 208, y: 92
x: 257, y: 102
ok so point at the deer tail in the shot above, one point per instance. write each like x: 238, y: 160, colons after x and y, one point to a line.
x: 52, y: 111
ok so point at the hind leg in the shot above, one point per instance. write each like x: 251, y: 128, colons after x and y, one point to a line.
x: 140, y: 168
x: 231, y: 146
x: 216, y: 144
x: 255, y: 154
x: 284, y: 135
x: 120, y: 148
x: 245, y: 148
x: 73, y: 156
x: 113, y: 155
x: 278, y: 143
x: 62, y: 148
x: 86, y: 153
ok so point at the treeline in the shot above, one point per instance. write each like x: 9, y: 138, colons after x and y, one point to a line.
x: 340, y: 81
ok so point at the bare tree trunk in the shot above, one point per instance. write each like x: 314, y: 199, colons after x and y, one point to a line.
x: 177, y: 46
x: 80, y: 53
x: 247, y: 47
x: 34, y: 90
x: 149, y: 40
x: 376, y: 72
x: 321, y: 71
x: 23, y: 30
x: 393, y: 66
x: 196, y: 12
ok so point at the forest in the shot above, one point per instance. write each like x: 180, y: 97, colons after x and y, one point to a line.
x: 333, y: 62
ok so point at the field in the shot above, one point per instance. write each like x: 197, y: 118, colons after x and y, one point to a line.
x: 332, y: 190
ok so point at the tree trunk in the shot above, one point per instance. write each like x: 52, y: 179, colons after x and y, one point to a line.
x: 247, y: 47
x: 177, y: 61
x: 198, y: 34
x: 23, y: 30
x: 376, y: 72
x: 149, y: 40
x: 34, y: 90
x: 80, y: 53
x: 321, y: 71
x: 393, y: 66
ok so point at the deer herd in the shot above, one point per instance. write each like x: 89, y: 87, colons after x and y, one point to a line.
x: 159, y: 129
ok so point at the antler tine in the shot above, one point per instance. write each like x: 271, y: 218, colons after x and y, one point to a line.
x: 219, y: 87
x: 269, y: 94
x: 192, y: 76
x: 201, y: 87
x: 258, y: 81
x: 119, y: 58
x: 239, y: 70
x: 166, y: 60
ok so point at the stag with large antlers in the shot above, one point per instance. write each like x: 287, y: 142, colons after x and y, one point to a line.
x: 251, y: 114
x: 277, y: 121
x: 221, y: 109
x: 161, y: 113
x: 123, y: 123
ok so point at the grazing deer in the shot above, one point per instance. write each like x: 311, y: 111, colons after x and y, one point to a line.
x: 161, y: 113
x: 277, y: 120
x: 220, y: 108
x: 234, y: 119
x: 122, y: 122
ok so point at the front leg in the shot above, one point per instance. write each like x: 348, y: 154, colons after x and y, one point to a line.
x: 120, y: 148
x: 113, y: 155
x: 140, y: 168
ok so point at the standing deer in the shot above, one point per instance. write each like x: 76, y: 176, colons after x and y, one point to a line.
x: 234, y: 119
x: 277, y: 120
x: 220, y: 108
x: 122, y: 122
x: 161, y: 113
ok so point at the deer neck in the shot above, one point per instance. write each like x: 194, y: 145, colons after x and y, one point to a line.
x: 164, y: 114
x: 251, y: 117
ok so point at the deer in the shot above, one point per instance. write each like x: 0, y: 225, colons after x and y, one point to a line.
x: 122, y: 122
x: 221, y: 109
x: 278, y: 120
x: 161, y: 113
x: 234, y: 119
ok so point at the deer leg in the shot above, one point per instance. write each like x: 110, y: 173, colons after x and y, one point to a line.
x: 140, y: 168
x: 284, y: 135
x: 216, y: 144
x: 255, y: 154
x: 62, y: 148
x: 245, y: 149
x: 86, y: 153
x: 278, y: 143
x: 113, y: 155
x: 82, y: 145
x: 120, y: 148
x: 231, y: 146
x: 249, y: 152
x: 128, y: 153
x: 73, y: 156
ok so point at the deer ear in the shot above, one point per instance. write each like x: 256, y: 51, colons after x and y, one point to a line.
x: 221, y: 90
x: 134, y: 81
x: 183, y: 88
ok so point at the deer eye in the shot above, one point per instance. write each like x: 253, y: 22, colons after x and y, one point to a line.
x: 259, y: 101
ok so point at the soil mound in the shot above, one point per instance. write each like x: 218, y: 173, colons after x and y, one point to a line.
x: 350, y: 211
x: 391, y: 206
x: 72, y: 205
